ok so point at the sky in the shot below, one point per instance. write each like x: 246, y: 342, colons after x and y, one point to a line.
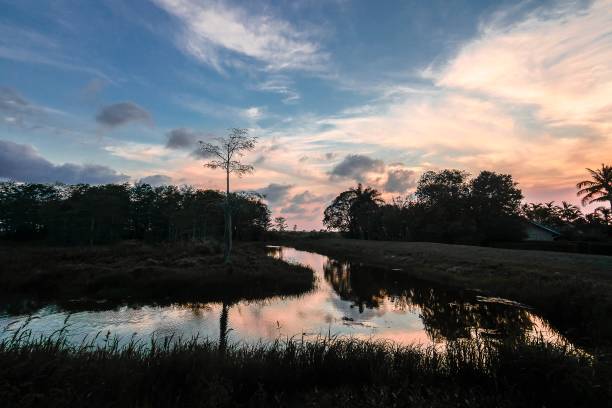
x: 337, y: 92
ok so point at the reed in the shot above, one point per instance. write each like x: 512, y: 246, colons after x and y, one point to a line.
x: 326, y: 371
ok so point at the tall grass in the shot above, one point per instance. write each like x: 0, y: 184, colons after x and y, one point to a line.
x: 329, y: 371
x: 103, y: 277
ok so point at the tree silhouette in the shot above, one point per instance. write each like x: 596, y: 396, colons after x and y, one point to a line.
x: 226, y: 152
x: 84, y: 215
x: 599, y: 189
x: 280, y: 223
x: 605, y: 214
x: 223, y: 330
x: 354, y: 212
x: 569, y: 212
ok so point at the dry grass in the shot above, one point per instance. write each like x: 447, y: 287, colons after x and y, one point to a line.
x: 328, y: 372
x: 135, y: 272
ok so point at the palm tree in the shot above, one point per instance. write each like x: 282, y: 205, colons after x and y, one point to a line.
x: 599, y: 189
x: 365, y: 202
x: 605, y: 214
x: 569, y: 212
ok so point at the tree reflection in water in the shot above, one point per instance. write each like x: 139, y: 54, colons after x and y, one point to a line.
x: 446, y: 314
x: 223, y: 330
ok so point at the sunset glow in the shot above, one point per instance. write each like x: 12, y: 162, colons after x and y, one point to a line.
x: 121, y: 92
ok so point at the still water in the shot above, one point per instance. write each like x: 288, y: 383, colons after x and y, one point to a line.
x: 349, y: 299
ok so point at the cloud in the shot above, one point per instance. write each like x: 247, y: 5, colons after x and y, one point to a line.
x: 137, y: 151
x: 17, y: 111
x: 21, y: 162
x: 253, y: 113
x: 556, y: 60
x: 355, y: 166
x: 400, y: 180
x: 274, y: 192
x: 294, y: 209
x: 303, y: 202
x: 282, y: 86
x: 221, y: 35
x: 94, y: 87
x: 186, y: 139
x: 122, y: 113
x: 306, y: 197
x: 156, y: 180
x: 11, y: 101
x: 181, y: 138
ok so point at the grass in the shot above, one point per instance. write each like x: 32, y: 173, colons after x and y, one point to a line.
x: 101, y: 277
x: 572, y: 291
x: 334, y: 372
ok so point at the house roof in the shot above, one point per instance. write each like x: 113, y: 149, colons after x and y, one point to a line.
x: 544, y: 227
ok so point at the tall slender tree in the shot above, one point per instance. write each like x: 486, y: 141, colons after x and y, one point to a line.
x: 599, y: 189
x: 225, y: 153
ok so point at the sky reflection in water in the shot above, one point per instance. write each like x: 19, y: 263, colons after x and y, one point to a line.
x: 349, y: 299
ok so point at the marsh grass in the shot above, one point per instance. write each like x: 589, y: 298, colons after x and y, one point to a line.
x: 102, y: 277
x: 328, y: 371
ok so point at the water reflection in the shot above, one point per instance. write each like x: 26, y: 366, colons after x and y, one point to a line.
x: 349, y: 299
x: 445, y: 314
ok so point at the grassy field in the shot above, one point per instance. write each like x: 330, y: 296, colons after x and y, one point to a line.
x: 101, y: 277
x: 324, y: 373
x: 573, y: 291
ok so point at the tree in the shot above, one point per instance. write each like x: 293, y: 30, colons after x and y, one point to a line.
x: 599, y: 189
x: 494, y: 202
x: 364, y: 209
x: 280, y: 223
x: 605, y: 214
x: 547, y: 214
x: 569, y: 212
x: 444, y: 196
x: 495, y: 193
x: 446, y: 187
x: 226, y: 153
x: 353, y: 212
x: 337, y: 215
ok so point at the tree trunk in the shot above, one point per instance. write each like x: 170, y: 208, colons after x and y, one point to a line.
x: 228, y: 222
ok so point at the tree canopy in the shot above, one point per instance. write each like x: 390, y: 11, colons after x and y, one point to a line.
x: 85, y: 214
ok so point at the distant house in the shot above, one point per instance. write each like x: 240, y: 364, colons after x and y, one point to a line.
x: 539, y: 232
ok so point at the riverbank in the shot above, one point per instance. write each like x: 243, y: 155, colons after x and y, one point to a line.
x: 323, y: 373
x: 573, y: 291
x: 101, y: 277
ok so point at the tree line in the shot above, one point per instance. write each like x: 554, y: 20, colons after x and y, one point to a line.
x: 449, y: 206
x: 86, y: 214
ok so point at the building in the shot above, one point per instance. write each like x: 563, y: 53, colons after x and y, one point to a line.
x: 539, y: 232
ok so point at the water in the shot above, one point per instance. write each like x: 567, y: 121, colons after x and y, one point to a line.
x: 349, y: 299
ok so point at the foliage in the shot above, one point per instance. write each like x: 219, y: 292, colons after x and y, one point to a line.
x: 333, y: 372
x: 280, y: 224
x: 599, y: 188
x: 354, y: 212
x: 570, y: 221
x: 447, y: 207
x: 450, y: 207
x: 84, y: 214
